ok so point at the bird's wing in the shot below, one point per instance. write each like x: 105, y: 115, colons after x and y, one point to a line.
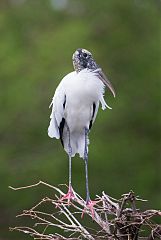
x: 57, y: 114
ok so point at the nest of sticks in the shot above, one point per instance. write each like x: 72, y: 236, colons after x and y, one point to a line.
x: 112, y: 219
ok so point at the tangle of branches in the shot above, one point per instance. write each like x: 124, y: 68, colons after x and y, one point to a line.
x: 112, y: 219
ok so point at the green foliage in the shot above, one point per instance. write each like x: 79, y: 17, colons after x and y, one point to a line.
x: 36, y: 46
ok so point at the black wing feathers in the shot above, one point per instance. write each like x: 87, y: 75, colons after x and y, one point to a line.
x: 61, y: 126
x: 64, y: 102
x: 94, y: 108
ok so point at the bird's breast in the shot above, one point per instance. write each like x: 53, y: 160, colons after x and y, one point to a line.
x: 81, y: 92
x: 85, y: 87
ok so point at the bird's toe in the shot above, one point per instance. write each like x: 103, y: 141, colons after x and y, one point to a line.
x: 69, y: 196
x: 90, y: 206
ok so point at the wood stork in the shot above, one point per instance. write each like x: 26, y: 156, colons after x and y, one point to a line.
x: 74, y: 108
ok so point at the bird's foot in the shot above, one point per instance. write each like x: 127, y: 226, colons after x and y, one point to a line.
x: 89, y: 206
x: 69, y: 196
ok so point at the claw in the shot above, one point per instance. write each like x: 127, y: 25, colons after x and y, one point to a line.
x: 89, y: 205
x: 69, y: 196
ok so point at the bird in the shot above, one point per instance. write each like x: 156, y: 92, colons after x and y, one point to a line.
x: 74, y: 109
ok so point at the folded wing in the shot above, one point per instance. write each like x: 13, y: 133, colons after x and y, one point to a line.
x: 57, y: 114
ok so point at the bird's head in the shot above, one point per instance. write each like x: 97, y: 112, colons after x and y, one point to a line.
x: 83, y: 59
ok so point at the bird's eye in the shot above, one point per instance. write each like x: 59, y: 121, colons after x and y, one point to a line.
x: 85, y: 55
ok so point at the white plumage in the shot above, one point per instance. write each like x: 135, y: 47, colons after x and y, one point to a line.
x: 74, y: 108
x: 78, y: 91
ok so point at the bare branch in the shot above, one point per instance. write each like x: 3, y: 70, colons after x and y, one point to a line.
x: 113, y: 219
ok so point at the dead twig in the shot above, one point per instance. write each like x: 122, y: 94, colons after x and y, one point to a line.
x: 112, y: 218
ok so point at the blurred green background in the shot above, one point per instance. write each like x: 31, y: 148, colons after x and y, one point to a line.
x: 37, y: 40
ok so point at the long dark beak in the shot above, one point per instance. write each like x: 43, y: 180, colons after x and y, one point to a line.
x: 106, y: 82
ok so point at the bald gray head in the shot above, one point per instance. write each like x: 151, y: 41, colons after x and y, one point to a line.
x: 83, y: 59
